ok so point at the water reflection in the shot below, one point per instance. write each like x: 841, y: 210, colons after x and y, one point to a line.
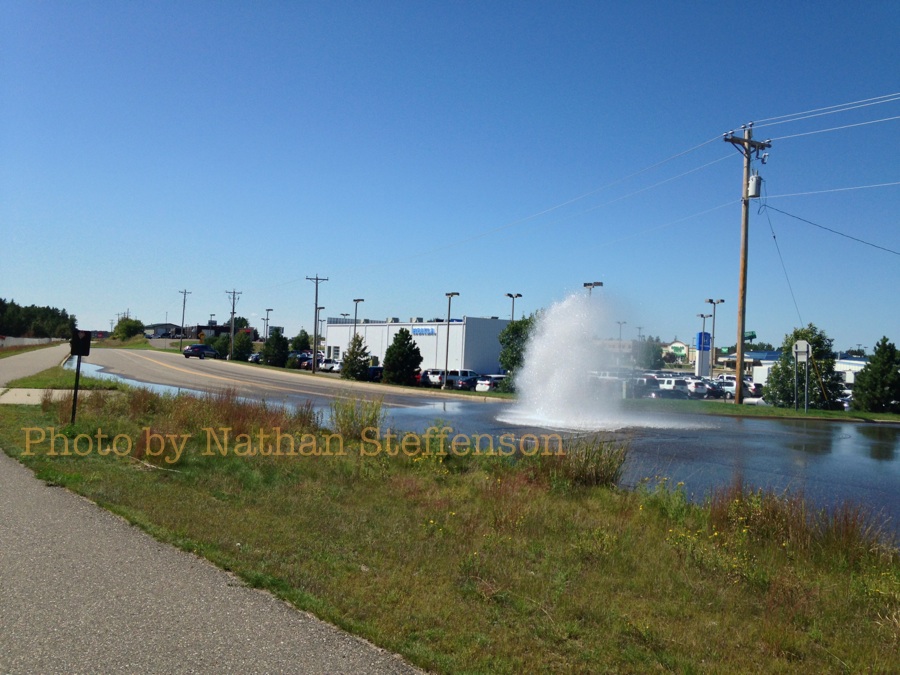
x: 878, y: 441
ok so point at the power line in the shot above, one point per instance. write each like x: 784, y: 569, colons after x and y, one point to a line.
x: 845, y: 189
x: 846, y: 126
x: 828, y: 229
x: 783, y: 266
x: 828, y: 110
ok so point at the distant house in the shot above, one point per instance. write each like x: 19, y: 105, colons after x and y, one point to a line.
x: 156, y: 329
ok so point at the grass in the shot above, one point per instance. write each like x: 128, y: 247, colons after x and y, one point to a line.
x: 487, y: 563
x: 59, y: 377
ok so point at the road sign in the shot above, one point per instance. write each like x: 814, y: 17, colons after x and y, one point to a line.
x: 750, y: 335
x: 801, y: 351
x: 201, y: 336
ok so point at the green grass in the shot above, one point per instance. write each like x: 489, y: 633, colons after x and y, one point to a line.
x: 59, y: 377
x: 490, y: 564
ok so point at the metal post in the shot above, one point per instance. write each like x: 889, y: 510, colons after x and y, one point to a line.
x: 447, y: 352
x: 356, y: 302
x: 513, y: 296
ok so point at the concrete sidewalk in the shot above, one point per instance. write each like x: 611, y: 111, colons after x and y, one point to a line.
x: 30, y: 396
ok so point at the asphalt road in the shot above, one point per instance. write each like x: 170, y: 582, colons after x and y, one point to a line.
x: 81, y: 590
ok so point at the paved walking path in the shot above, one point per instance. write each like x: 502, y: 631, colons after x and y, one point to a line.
x: 81, y: 590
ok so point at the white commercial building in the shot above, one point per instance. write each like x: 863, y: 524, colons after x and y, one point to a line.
x: 473, y: 341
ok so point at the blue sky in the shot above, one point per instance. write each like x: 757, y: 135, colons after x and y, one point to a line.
x: 408, y: 149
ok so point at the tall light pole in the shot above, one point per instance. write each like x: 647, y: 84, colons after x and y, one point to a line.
x: 621, y: 323
x: 268, y: 309
x: 356, y: 302
x: 185, y: 293
x: 591, y: 285
x: 700, y: 343
x: 513, y: 296
x: 712, y: 340
x: 447, y: 352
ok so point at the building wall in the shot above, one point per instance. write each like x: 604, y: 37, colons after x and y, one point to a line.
x: 474, y: 341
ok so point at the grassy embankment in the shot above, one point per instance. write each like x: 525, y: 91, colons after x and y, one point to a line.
x: 487, y: 563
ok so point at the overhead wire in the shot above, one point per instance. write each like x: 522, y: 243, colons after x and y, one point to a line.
x: 828, y: 229
x: 828, y: 110
x: 787, y: 277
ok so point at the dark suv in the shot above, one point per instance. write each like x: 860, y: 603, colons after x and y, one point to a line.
x: 200, y: 351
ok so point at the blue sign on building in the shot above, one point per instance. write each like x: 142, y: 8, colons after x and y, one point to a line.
x: 424, y: 331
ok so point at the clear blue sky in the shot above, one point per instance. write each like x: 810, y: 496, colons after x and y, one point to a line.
x: 408, y: 149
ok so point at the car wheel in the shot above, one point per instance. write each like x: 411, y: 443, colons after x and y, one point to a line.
x: 186, y: 356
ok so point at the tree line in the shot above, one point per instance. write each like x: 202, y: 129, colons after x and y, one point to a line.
x: 35, y: 322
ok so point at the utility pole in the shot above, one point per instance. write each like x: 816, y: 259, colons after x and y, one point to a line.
x: 184, y: 293
x: 234, y: 298
x: 315, y: 360
x: 748, y: 148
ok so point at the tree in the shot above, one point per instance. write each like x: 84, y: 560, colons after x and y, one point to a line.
x: 780, y: 385
x: 221, y: 344
x: 877, y: 386
x: 402, y: 359
x: 648, y: 355
x: 513, y: 339
x: 355, y: 365
x: 240, y: 322
x: 127, y: 327
x: 301, y: 341
x: 243, y: 346
x: 275, y: 349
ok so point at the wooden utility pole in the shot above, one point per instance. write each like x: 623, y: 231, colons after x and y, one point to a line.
x: 234, y: 298
x: 315, y: 360
x: 747, y: 147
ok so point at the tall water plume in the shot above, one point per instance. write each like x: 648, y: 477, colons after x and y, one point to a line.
x: 568, y: 377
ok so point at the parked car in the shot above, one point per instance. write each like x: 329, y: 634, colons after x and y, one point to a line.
x: 326, y: 365
x: 200, y: 351
x: 674, y: 384
x: 669, y: 393
x: 374, y: 373
x: 435, y: 377
x: 696, y: 387
x: 714, y: 389
x: 255, y: 357
x: 488, y: 382
x: 467, y: 383
x: 454, y: 375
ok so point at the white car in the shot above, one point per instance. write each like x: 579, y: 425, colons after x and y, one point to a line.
x: 488, y: 382
x: 697, y: 388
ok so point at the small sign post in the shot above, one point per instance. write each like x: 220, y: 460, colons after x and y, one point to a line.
x: 801, y: 355
x: 81, y: 346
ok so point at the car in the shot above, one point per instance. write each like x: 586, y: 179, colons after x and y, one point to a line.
x: 669, y: 393
x: 326, y: 365
x: 749, y: 389
x: 454, y: 375
x: 434, y: 377
x: 696, y: 388
x: 255, y: 357
x: 467, y: 383
x: 374, y: 373
x: 488, y: 382
x: 714, y: 389
x: 201, y: 352
x: 674, y: 383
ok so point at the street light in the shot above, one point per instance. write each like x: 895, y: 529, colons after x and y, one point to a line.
x: 700, y: 343
x: 513, y: 296
x: 447, y: 352
x: 315, y: 358
x: 356, y: 302
x: 268, y: 309
x: 712, y: 341
x: 211, y: 317
x: 621, y: 323
x: 591, y: 285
